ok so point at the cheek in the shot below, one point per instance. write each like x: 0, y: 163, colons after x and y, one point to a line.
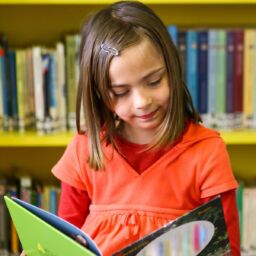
x: 165, y: 94
x: 121, y: 109
x: 113, y: 102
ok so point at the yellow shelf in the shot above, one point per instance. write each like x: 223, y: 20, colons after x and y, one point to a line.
x: 34, y: 140
x: 239, y: 137
x: 62, y: 17
x: 62, y: 139
x: 85, y: 2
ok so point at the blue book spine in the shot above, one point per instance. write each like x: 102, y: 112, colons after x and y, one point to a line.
x: 203, y: 68
x: 53, y: 92
x: 13, y: 85
x: 182, y: 49
x: 4, y: 90
x: 52, y: 81
x: 192, y: 67
x: 53, y: 201
x: 6, y: 84
x: 173, y: 32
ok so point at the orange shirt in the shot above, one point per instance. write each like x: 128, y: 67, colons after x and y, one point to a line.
x: 126, y: 205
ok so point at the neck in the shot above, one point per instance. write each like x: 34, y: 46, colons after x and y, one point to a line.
x: 136, y: 135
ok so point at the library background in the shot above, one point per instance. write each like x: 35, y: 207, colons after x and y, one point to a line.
x: 39, y: 43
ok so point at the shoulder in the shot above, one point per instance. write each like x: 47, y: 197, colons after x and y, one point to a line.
x: 80, y: 138
x: 199, y: 130
x: 78, y: 144
x: 202, y: 142
x: 197, y: 133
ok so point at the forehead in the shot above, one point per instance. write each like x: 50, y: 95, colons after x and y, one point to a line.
x: 135, y: 62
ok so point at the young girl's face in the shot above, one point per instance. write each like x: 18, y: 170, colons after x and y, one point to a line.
x: 140, y: 88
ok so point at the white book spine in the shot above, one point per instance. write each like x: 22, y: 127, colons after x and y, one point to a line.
x: 61, y: 87
x: 212, y: 76
x: 38, y: 89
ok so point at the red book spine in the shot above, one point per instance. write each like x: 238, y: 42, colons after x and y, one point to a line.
x: 238, y: 70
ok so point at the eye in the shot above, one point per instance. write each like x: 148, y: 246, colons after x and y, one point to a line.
x: 120, y: 94
x: 155, y: 82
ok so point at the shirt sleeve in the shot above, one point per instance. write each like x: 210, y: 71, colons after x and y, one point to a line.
x: 228, y: 200
x: 73, y: 205
x: 69, y: 168
x: 216, y: 174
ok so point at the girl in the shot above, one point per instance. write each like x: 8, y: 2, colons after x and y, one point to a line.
x: 143, y: 158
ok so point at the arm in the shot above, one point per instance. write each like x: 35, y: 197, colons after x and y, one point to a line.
x: 73, y: 205
x: 228, y: 200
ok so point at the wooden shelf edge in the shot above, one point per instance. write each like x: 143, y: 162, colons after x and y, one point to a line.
x: 246, y: 137
x: 86, y: 2
x: 62, y: 139
x: 34, y: 140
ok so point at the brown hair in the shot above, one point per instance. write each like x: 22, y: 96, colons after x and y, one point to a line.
x: 121, y: 25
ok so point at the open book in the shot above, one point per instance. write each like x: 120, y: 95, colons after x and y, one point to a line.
x: 201, y: 231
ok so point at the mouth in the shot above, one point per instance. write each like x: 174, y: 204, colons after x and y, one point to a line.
x: 148, y: 116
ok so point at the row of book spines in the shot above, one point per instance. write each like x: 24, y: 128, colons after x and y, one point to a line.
x: 38, y: 86
x: 208, y: 98
x: 43, y: 196
x: 36, y: 193
x: 220, y: 72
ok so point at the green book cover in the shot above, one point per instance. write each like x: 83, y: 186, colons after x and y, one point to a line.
x: 39, y: 237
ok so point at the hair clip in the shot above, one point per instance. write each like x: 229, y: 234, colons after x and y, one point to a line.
x: 110, y: 50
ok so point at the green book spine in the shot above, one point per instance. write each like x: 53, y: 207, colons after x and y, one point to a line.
x: 221, y: 79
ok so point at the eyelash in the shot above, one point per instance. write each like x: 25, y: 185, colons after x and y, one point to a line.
x: 119, y: 95
x: 154, y: 83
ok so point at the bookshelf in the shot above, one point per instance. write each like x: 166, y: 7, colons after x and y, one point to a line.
x: 44, y: 22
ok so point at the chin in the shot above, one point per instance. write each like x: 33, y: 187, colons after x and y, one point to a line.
x: 149, y: 126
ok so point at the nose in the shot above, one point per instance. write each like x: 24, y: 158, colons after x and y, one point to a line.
x: 141, y: 98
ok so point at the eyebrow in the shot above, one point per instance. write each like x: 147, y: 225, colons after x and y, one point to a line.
x: 144, y: 77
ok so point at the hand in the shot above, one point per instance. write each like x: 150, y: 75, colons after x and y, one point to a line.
x: 80, y: 240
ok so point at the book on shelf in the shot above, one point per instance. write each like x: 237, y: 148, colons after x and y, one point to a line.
x: 182, y: 49
x: 230, y: 45
x: 221, y: 79
x: 238, y: 77
x: 200, y: 231
x: 1, y: 87
x: 72, y: 72
x: 191, y: 68
x: 212, y: 76
x: 249, y: 72
x: 203, y: 74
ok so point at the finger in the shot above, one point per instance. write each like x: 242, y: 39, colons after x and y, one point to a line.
x: 81, y: 240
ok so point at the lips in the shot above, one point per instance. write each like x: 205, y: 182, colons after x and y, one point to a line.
x: 148, y: 116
